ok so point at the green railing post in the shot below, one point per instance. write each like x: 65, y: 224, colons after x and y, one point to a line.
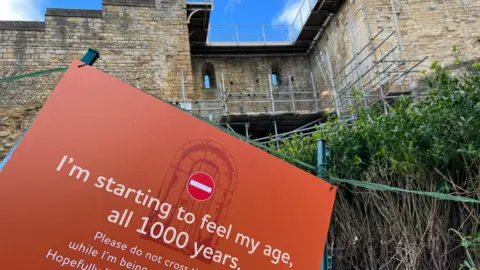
x: 322, y: 158
x: 321, y: 172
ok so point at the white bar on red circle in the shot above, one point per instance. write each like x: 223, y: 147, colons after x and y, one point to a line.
x: 201, y: 186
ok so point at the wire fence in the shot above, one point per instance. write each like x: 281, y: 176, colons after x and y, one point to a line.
x: 244, y: 33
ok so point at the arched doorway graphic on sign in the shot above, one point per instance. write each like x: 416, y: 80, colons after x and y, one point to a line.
x: 205, y: 156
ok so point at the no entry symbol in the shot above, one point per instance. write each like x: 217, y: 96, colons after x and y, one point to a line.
x: 200, y: 186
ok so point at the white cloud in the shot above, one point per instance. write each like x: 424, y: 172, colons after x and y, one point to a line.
x: 231, y: 4
x: 21, y: 10
x: 289, y: 12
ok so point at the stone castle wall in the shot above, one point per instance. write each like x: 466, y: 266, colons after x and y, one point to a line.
x: 247, y: 83
x: 145, y: 43
x: 426, y: 28
x: 142, y: 42
x: 431, y: 27
x: 332, y: 55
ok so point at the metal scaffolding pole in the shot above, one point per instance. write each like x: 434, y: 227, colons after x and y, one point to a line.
x: 384, y: 71
x: 397, y: 68
x: 365, y: 47
x: 355, y: 54
x: 247, y: 125
x: 276, y: 133
x: 397, y: 28
x: 229, y: 127
x: 320, y: 66
x: 299, y: 129
x: 291, y: 92
x: 340, y: 47
x: 314, y: 91
x: 337, y: 105
x: 373, y: 50
x: 400, y: 40
x: 383, y: 59
x: 271, y: 92
x: 225, y: 100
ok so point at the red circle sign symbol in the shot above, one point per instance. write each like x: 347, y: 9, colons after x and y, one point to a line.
x: 200, y: 186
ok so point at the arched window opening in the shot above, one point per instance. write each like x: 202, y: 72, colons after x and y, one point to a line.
x: 209, y: 80
x: 276, y: 79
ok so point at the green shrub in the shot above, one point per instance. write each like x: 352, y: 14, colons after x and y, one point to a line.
x: 438, y: 131
x: 430, y: 144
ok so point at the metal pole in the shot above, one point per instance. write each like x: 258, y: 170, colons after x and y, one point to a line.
x: 340, y: 46
x: 373, y: 50
x: 246, y: 130
x: 271, y: 92
x: 302, y: 128
x: 208, y: 34
x: 357, y: 65
x: 229, y: 127
x: 400, y: 40
x: 333, y: 84
x: 385, y: 74
x: 320, y: 66
x: 321, y: 172
x: 397, y: 67
x: 314, y: 91
x: 291, y: 92
x: 276, y: 133
x: 236, y: 30
x: 397, y: 28
x: 264, y: 37
x: 370, y: 37
x: 225, y: 94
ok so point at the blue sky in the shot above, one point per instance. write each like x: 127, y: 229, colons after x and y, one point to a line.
x: 226, y: 11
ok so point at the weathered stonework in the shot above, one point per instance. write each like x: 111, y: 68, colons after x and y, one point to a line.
x: 146, y: 44
x: 13, y: 121
x: 431, y: 27
x: 143, y: 42
x: 333, y: 53
x: 427, y: 28
x: 247, y: 83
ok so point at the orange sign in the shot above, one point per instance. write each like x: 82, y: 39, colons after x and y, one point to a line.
x: 108, y: 177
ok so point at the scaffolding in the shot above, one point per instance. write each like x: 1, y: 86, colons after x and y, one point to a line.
x: 266, y: 99
x: 236, y: 34
x: 359, y: 67
x: 375, y: 73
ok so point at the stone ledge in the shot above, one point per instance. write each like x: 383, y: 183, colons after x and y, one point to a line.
x: 83, y: 13
x: 131, y: 3
x: 22, y: 26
